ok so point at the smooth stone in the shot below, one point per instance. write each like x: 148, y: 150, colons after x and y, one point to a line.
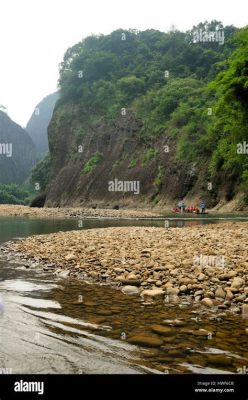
x: 174, y: 322
x: 162, y: 330
x: 90, y: 303
x: 229, y: 295
x: 201, y: 332
x: 201, y: 277
x: 98, y: 320
x: 220, y: 292
x: 70, y: 257
x: 153, y: 292
x: 219, y: 359
x: 207, y: 302
x: 237, y: 282
x: 145, y: 340
x: 105, y: 312
x: 130, y: 290
x: 132, y: 277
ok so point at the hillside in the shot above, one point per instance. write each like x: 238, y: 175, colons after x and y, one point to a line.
x: 17, y: 152
x: 38, y: 123
x: 157, y: 109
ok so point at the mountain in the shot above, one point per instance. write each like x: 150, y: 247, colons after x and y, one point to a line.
x: 17, y: 152
x: 152, y: 111
x: 38, y: 123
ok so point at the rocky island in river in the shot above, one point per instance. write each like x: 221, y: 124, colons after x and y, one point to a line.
x: 205, y: 265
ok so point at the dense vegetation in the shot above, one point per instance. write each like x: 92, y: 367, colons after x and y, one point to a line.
x: 40, y: 174
x: 194, y: 92
x: 16, y: 194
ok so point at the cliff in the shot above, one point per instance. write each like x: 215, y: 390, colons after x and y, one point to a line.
x: 17, y: 152
x: 38, y: 123
x: 144, y: 119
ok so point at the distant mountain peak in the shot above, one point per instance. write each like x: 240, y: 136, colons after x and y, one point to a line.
x: 39, y: 121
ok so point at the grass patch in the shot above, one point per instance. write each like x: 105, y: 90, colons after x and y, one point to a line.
x: 92, y: 162
x: 132, y: 164
x: 149, y: 155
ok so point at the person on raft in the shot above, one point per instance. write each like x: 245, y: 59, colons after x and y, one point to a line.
x: 181, y: 205
x: 203, y: 207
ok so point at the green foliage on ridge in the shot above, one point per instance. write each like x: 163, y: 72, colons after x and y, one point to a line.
x: 40, y: 173
x: 15, y: 194
x: 103, y: 74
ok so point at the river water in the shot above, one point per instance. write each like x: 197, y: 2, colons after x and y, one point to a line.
x: 54, y: 325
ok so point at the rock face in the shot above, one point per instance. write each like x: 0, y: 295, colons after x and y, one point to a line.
x: 39, y: 121
x: 17, y: 152
x: 71, y: 186
x: 105, y: 126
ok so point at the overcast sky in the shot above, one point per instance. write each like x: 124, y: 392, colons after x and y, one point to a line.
x: 36, y: 34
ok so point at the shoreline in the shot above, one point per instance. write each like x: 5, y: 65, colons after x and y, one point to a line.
x: 205, y: 265
x: 71, y: 212
x: 103, y: 213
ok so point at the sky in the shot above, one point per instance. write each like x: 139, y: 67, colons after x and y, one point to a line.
x: 36, y: 33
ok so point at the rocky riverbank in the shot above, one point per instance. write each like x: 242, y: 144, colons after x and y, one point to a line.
x: 70, y: 212
x: 207, y: 265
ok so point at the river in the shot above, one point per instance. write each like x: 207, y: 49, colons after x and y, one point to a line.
x: 55, y: 325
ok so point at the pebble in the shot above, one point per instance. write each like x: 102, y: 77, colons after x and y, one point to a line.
x: 130, y: 290
x: 145, y: 340
x: 229, y: 295
x: 70, y: 257
x: 155, y: 259
x: 220, y: 292
x: 162, y: 330
x: 153, y: 292
x: 237, y: 283
x: 201, y: 277
x: 219, y: 359
x: 207, y: 302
